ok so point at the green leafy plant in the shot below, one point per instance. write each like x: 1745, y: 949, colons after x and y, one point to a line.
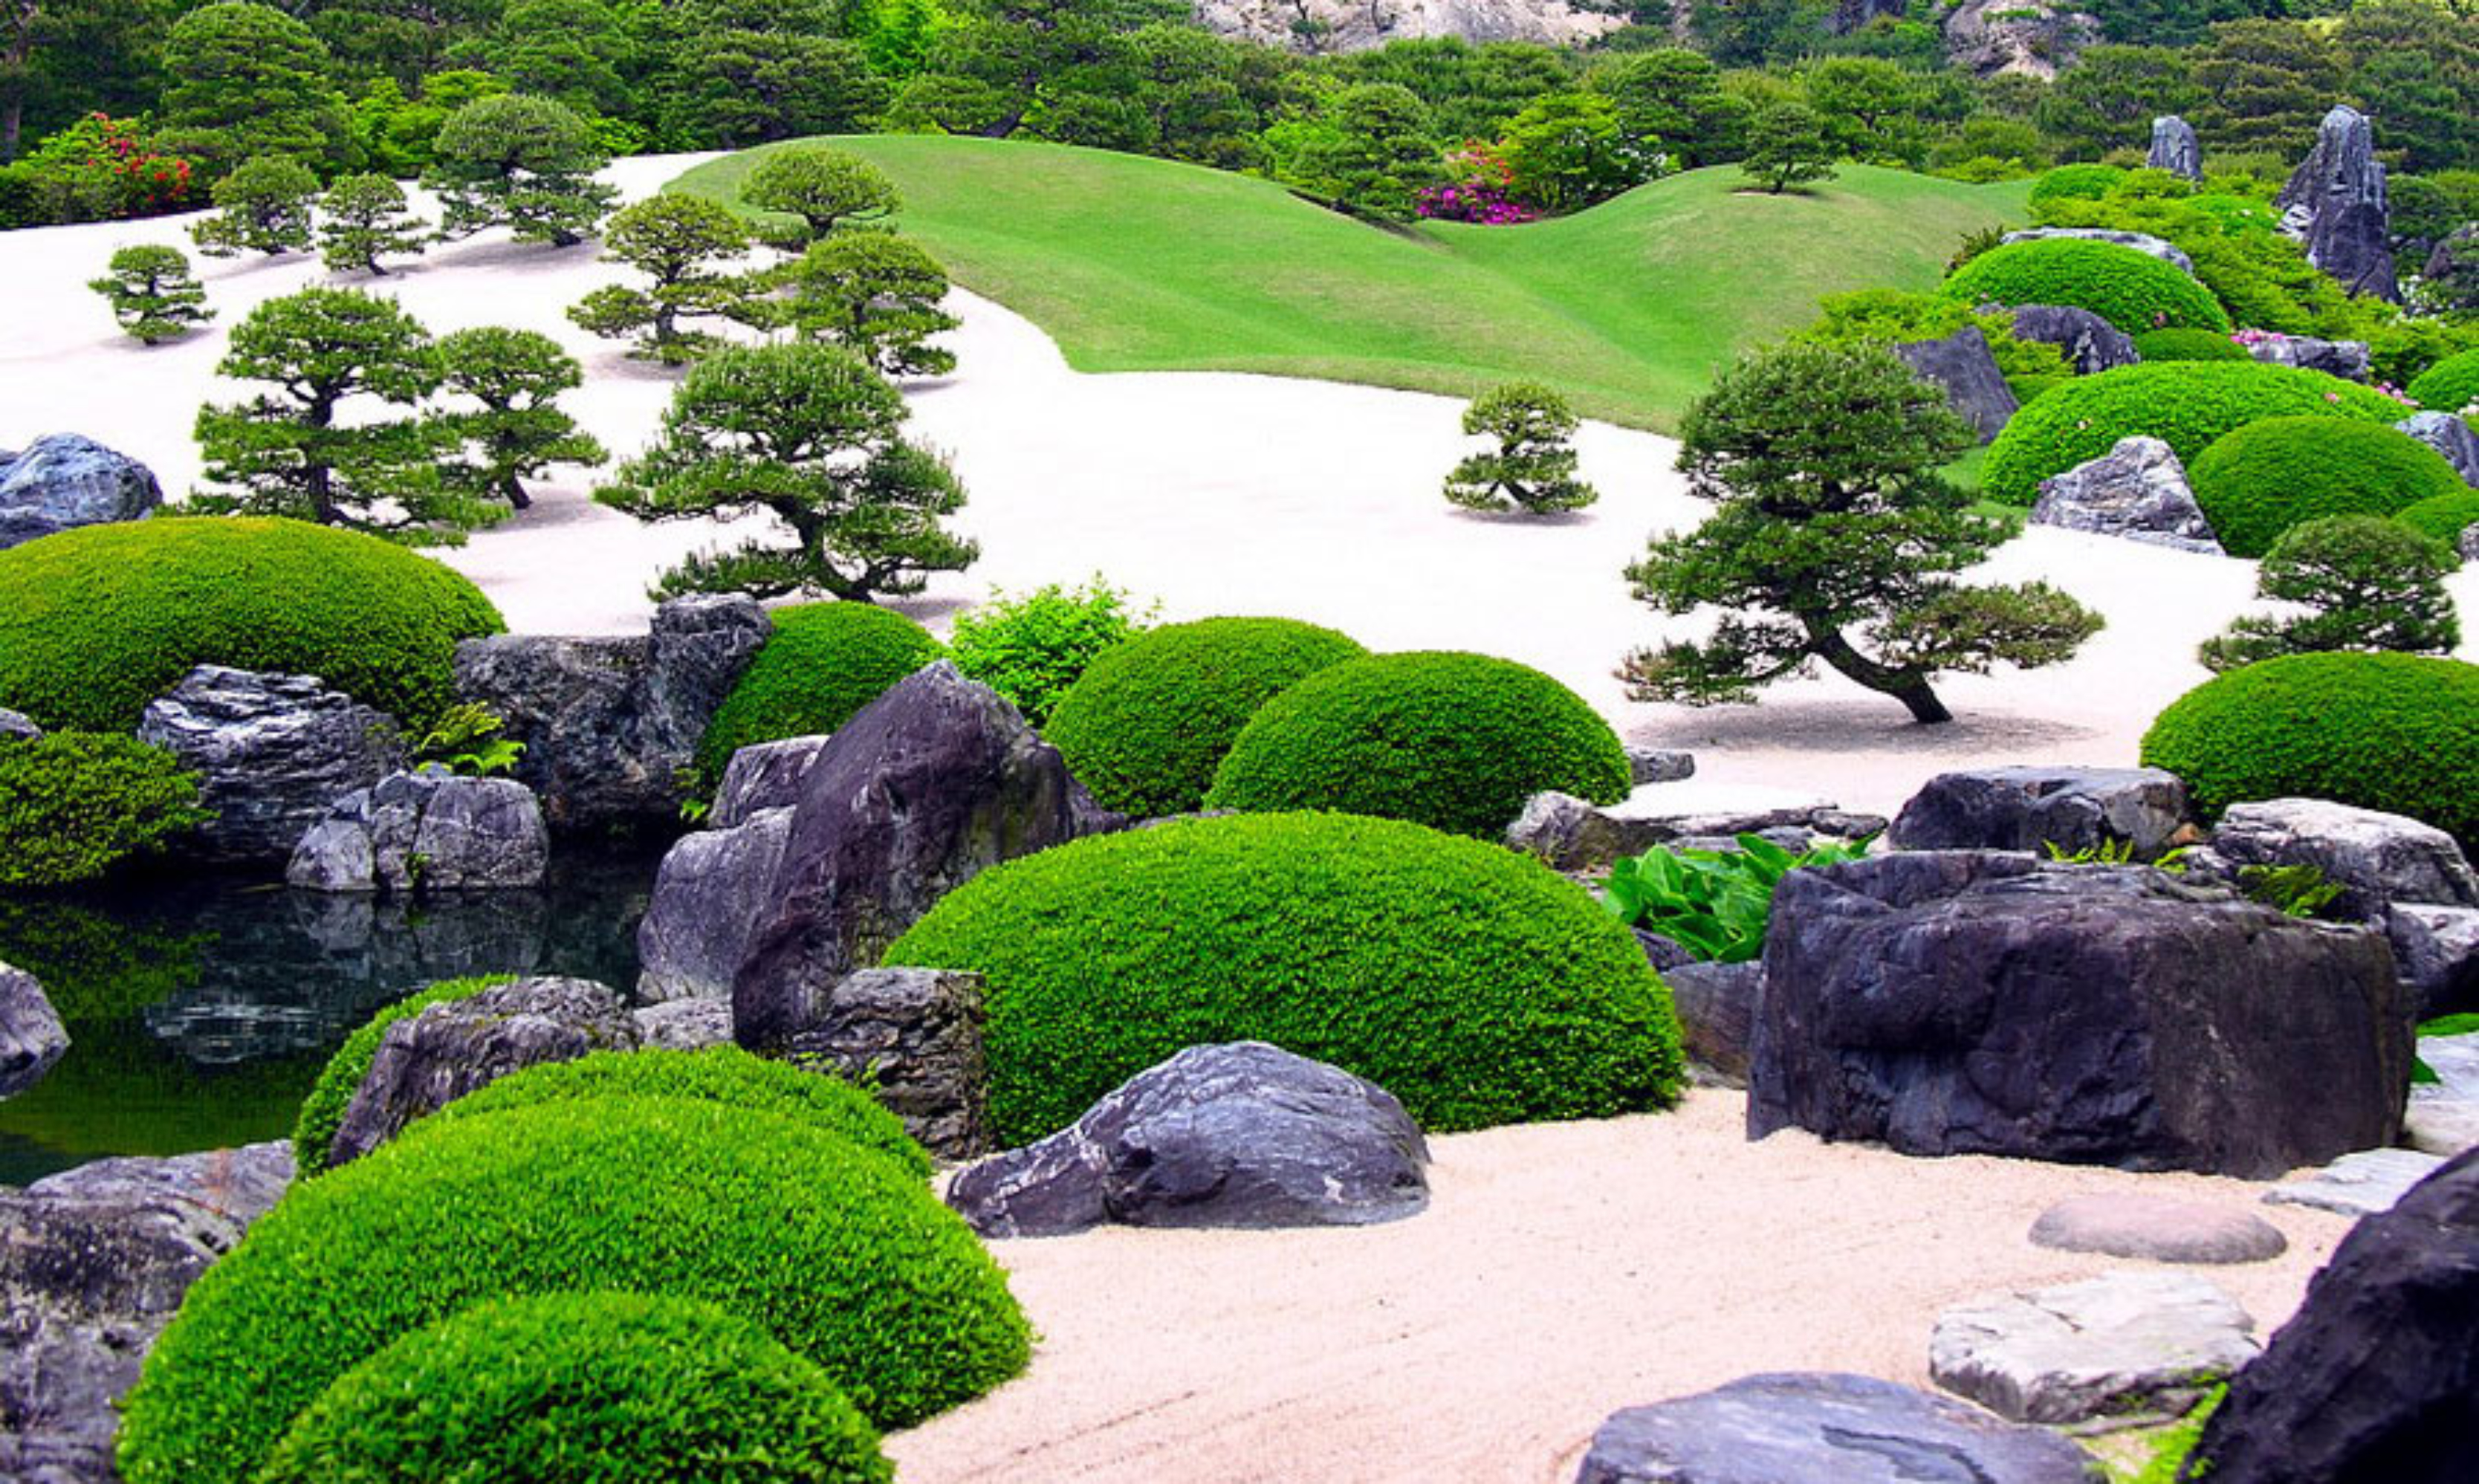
x: 2366, y: 583
x: 363, y: 218
x: 2300, y: 891
x: 75, y: 804
x: 877, y: 295
x: 2450, y: 385
x: 1030, y: 647
x: 2443, y: 518
x: 467, y: 738
x: 2188, y: 345
x: 2258, y: 481
x: 823, y: 663
x: 1713, y: 903
x: 2116, y: 852
x: 264, y: 206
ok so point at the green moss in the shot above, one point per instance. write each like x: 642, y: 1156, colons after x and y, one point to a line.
x: 74, y: 805
x: 2260, y: 480
x: 322, y: 1112
x: 823, y: 662
x: 2189, y: 345
x: 2450, y: 385
x: 2131, y: 289
x: 2442, y: 517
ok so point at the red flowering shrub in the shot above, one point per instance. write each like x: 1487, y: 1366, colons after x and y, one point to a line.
x: 99, y: 168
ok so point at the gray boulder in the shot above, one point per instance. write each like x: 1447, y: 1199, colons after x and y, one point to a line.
x: 2450, y: 436
x: 17, y: 727
x: 31, y: 1037
x: 2119, y: 1346
x: 2436, y: 949
x: 709, y: 893
x: 2033, y: 809
x: 2377, y: 859
x: 1963, y: 363
x: 431, y: 1059
x: 1658, y: 765
x: 2444, y: 1117
x: 92, y: 1263
x: 2334, y: 204
x: 1568, y: 833
x: 2346, y: 359
x: 1824, y: 1428
x: 413, y: 834
x: 1244, y: 1135
x: 2158, y: 1229
x: 2090, y: 344
x: 1956, y: 1002
x: 766, y: 775
x: 2359, y: 1183
x: 2141, y: 241
x: 913, y: 1038
x: 2136, y: 489
x: 64, y: 481
x: 1716, y: 1004
x: 2174, y: 149
x: 684, y: 1025
x: 273, y: 753
x: 2035, y: 38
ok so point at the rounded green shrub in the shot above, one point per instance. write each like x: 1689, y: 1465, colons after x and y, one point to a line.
x: 2131, y: 289
x: 2260, y: 480
x: 2380, y: 731
x: 2189, y: 345
x: 823, y: 662
x: 322, y: 1111
x: 1453, y: 741
x: 845, y: 1258
x: 2443, y: 517
x: 2026, y: 388
x: 2184, y: 404
x: 2074, y: 183
x: 1148, y: 722
x: 715, y: 1074
x: 2450, y: 385
x: 73, y: 805
x: 96, y: 622
x: 1475, y: 983
x: 582, y: 1388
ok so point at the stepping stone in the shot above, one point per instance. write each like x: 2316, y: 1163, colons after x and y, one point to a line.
x: 2358, y: 1185
x: 2440, y: 1123
x: 2124, y: 1342
x: 2158, y: 1230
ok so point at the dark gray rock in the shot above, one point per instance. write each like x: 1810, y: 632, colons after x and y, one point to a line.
x: 2375, y: 1380
x: 711, y: 891
x: 2335, y: 205
x: 415, y: 833
x: 2436, y: 949
x: 1244, y: 1135
x: 2123, y: 1345
x: 2136, y: 489
x: 2158, y: 1229
x: 608, y: 724
x: 1955, y: 1002
x: 64, y: 481
x: 2174, y: 149
x: 1571, y: 834
x: 764, y: 777
x: 912, y: 1036
x: 2377, y: 859
x: 432, y: 1059
x: 1823, y: 1429
x: 1963, y: 363
x: 92, y: 1263
x: 1716, y: 1014
x: 1658, y: 765
x: 2346, y: 359
x: 2090, y: 344
x: 2141, y: 241
x: 1662, y: 953
x: 2033, y: 809
x: 273, y: 753
x: 2450, y: 436
x: 17, y: 727
x: 684, y: 1025
x: 31, y: 1037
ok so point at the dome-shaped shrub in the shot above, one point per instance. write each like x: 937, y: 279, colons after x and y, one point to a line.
x: 2450, y: 385
x: 2185, y: 404
x: 1147, y: 724
x: 95, y: 623
x: 322, y: 1111
x: 837, y: 1252
x: 2131, y: 289
x: 2074, y: 183
x: 582, y: 1388
x: 1475, y: 983
x: 823, y: 662
x: 73, y: 805
x: 2443, y: 517
x: 2381, y: 731
x: 2189, y: 345
x: 2260, y: 480
x: 1453, y: 741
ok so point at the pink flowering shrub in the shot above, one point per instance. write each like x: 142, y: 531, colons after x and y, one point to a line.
x: 1479, y: 189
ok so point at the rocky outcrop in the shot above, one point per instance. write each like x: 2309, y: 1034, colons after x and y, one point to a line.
x: 2436, y: 949
x: 1323, y: 26
x: 609, y: 724
x: 2035, y: 38
x: 2121, y: 1346
x: 1244, y: 1135
x: 709, y: 894
x: 31, y: 1037
x: 1953, y: 1001
x: 64, y: 481
x: 2041, y: 808
x: 2174, y: 149
x: 2136, y: 489
x: 766, y: 775
x: 2141, y: 241
x: 1716, y: 1004
x: 1963, y: 364
x: 2335, y: 205
x: 2089, y: 343
x: 2449, y: 436
x: 1568, y: 834
x: 684, y: 1025
x: 2346, y: 359
x: 273, y: 753
x: 2158, y: 1229
x: 912, y: 1036
x: 415, y: 833
x: 2376, y: 859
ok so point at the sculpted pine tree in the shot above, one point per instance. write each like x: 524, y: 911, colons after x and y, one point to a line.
x: 1833, y: 539
x: 262, y: 206
x: 522, y: 163
x: 514, y: 428
x: 828, y: 191
x: 2366, y: 583
x: 679, y: 241
x: 1533, y: 469
x: 877, y: 295
x: 363, y: 218
x: 1787, y: 147
x: 153, y: 294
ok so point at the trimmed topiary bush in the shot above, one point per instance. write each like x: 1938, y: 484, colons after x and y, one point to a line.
x: 2184, y: 404
x: 846, y: 1259
x: 2189, y: 345
x: 1147, y: 724
x: 2442, y: 517
x: 2074, y: 183
x: 1453, y: 741
x: 2450, y: 385
x: 96, y: 622
x: 2381, y: 731
x: 322, y: 1112
x: 2260, y: 480
x: 582, y: 1388
x: 823, y: 662
x: 1473, y: 983
x: 2131, y: 289
x: 73, y: 805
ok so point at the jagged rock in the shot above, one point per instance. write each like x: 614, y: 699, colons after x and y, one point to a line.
x: 2450, y: 436
x: 2346, y: 359
x: 1323, y: 26
x: 1658, y: 765
x: 932, y: 784
x: 1662, y: 953
x: 684, y: 1025
x: 273, y: 753
x: 2141, y: 241
x: 2158, y: 1229
x: 766, y: 775
x: 2121, y: 1343
x: 2436, y: 949
x: 709, y: 893
x: 2375, y: 1380
x: 2335, y: 205
x: 1717, y: 1015
x: 2035, y: 38
x: 64, y: 481
x: 2376, y: 859
x: 2358, y: 1185
x: 1957, y: 1002
x: 1963, y: 364
x: 1818, y: 1428
x: 412, y: 834
x: 1244, y: 1135
x: 912, y: 1036
x: 2174, y: 149
x: 1570, y: 834
x: 609, y: 724
x: 92, y: 1263
x: 31, y: 1037
x: 431, y: 1059
x: 2136, y: 489
x: 2090, y: 344
x: 2035, y: 808
x: 17, y: 727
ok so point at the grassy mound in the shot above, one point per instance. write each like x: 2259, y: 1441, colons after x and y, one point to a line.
x: 322, y: 1112
x: 2260, y: 480
x: 2131, y: 289
x: 2443, y: 517
x: 823, y: 662
x: 1473, y: 983
x: 2450, y: 385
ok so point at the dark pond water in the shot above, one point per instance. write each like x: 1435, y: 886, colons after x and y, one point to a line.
x: 200, y: 1010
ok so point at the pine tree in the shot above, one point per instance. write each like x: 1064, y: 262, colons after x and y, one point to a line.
x: 363, y: 217
x: 153, y: 294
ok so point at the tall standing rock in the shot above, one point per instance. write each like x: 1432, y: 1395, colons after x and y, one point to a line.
x: 2174, y: 149
x: 2334, y: 203
x: 1964, y: 366
x: 273, y: 753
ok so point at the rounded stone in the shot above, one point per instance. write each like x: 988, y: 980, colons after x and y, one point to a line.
x: 2158, y: 1229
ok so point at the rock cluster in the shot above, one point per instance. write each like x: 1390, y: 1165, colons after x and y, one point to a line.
x: 2141, y: 241
x: 1316, y: 26
x: 2346, y: 359
x: 2124, y: 1344
x: 2450, y: 436
x: 1568, y: 834
x: 412, y: 834
x: 64, y: 481
x: 2066, y: 809
x: 912, y: 1036
x: 2090, y: 344
x: 273, y: 753
x: 2335, y: 205
x: 2137, y: 490
x: 2035, y: 38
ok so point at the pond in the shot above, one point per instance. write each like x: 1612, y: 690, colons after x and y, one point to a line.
x: 200, y: 1010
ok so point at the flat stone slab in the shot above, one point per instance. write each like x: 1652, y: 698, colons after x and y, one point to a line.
x: 2119, y: 1345
x: 2158, y: 1230
x: 2441, y: 1124
x: 2358, y: 1185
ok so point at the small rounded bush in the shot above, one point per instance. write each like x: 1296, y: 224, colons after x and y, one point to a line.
x: 846, y: 1259
x: 2075, y: 183
x: 2184, y: 404
x: 1473, y: 983
x: 1453, y: 741
x: 2189, y: 345
x: 716, y: 1074
x: 823, y: 662
x: 2260, y: 480
x: 322, y: 1112
x: 2450, y: 385
x: 73, y: 805
x: 1148, y: 722
x: 581, y: 1389
x: 2131, y: 289
x: 96, y: 622
x: 2443, y: 517
x: 2380, y: 731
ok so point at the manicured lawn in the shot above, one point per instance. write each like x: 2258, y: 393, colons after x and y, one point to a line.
x: 1142, y: 265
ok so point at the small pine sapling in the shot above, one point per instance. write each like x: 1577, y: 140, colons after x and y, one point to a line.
x: 1533, y: 468
x: 153, y: 294
x: 363, y: 218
